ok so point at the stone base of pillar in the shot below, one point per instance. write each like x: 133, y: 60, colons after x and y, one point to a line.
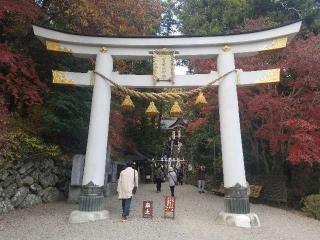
x: 236, y: 200
x: 91, y: 198
x: 91, y: 203
x: 239, y: 220
x: 82, y: 217
x: 237, y: 205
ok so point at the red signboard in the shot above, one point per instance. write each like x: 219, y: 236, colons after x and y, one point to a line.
x: 147, y: 209
x: 169, y: 205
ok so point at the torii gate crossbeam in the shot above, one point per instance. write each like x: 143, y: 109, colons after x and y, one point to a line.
x: 224, y: 47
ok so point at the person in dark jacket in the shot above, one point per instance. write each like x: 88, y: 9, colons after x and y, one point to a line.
x: 201, y: 178
x: 159, y: 175
x: 180, y: 176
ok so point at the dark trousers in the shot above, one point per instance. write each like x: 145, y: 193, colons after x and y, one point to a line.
x: 172, y: 191
x: 126, y: 207
x: 158, y: 182
x: 180, y: 180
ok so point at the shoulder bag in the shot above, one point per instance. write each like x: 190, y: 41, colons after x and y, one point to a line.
x: 175, y: 183
x: 134, y: 190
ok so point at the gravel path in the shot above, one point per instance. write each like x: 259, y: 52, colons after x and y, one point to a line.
x: 195, y: 219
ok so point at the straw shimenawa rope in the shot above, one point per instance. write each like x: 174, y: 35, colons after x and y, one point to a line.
x: 166, y: 96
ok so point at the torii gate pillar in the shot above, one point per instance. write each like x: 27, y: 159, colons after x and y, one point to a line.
x: 91, y: 200
x: 237, y: 210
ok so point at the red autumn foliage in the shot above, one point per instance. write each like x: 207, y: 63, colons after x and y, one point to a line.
x: 287, y: 116
x: 116, y: 131
x: 112, y: 17
x: 282, y: 120
x: 253, y: 25
x: 4, y: 122
x: 203, y: 65
x: 21, y: 10
x: 19, y: 81
x: 193, y: 126
x: 305, y: 138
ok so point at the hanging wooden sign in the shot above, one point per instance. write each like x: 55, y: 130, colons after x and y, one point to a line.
x: 163, y: 65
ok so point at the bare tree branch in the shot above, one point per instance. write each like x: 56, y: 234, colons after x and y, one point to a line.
x: 285, y: 6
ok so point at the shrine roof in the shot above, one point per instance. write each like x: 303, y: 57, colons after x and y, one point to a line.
x: 170, y: 123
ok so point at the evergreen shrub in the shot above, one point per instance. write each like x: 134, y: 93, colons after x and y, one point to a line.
x: 312, y: 205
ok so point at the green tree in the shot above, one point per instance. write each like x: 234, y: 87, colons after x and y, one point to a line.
x: 215, y: 16
x: 169, y: 19
x: 63, y: 119
x: 279, y: 11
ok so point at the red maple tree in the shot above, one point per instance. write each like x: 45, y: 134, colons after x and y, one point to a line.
x: 285, y: 116
x: 280, y: 121
x: 19, y: 81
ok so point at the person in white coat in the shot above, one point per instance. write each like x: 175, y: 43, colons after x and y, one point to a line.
x: 128, y: 180
x: 172, y: 178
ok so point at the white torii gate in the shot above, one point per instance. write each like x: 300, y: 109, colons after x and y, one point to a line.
x: 224, y: 47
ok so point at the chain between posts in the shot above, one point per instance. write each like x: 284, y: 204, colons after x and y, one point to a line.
x: 166, y: 96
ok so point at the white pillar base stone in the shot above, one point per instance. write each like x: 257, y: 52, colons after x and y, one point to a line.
x: 239, y: 220
x: 82, y: 217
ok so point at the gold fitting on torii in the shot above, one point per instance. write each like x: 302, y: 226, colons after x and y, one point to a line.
x: 226, y: 48
x: 103, y: 49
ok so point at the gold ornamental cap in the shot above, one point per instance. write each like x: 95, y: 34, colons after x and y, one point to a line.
x: 201, y: 100
x: 175, y: 110
x: 152, y: 110
x: 127, y: 103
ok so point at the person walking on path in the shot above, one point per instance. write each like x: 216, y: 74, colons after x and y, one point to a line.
x: 127, y: 186
x: 158, y: 177
x: 201, y: 178
x: 180, y: 176
x: 172, y: 178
